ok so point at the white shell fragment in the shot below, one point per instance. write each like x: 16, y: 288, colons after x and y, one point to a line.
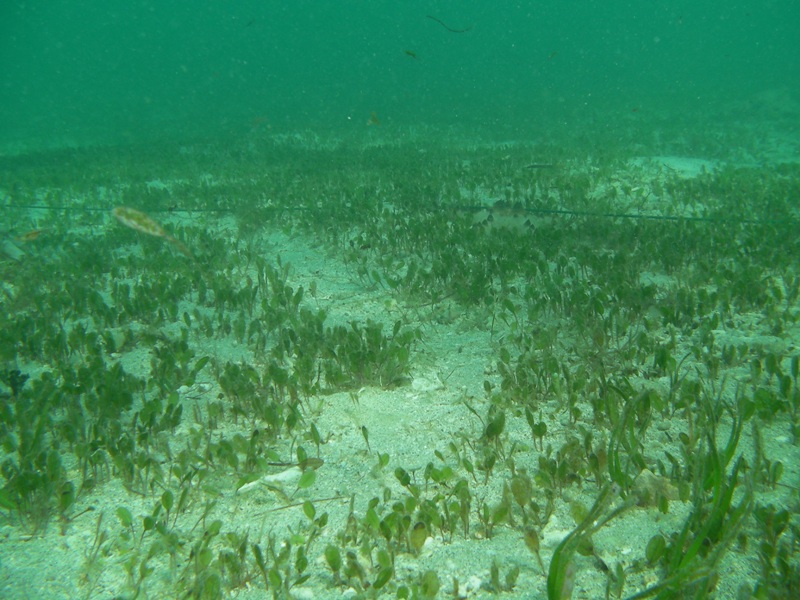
x: 288, y: 476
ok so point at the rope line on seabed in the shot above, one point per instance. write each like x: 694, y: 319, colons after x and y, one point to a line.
x: 466, y: 208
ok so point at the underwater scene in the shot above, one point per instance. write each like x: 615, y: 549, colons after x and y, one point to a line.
x: 399, y: 300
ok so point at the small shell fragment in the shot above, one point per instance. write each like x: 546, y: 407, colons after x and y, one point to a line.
x: 289, y: 475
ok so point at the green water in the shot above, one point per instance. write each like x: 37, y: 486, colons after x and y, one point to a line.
x: 408, y: 301
x: 119, y: 71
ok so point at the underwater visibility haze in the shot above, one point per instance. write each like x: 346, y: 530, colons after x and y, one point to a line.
x: 122, y: 70
x: 406, y: 300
